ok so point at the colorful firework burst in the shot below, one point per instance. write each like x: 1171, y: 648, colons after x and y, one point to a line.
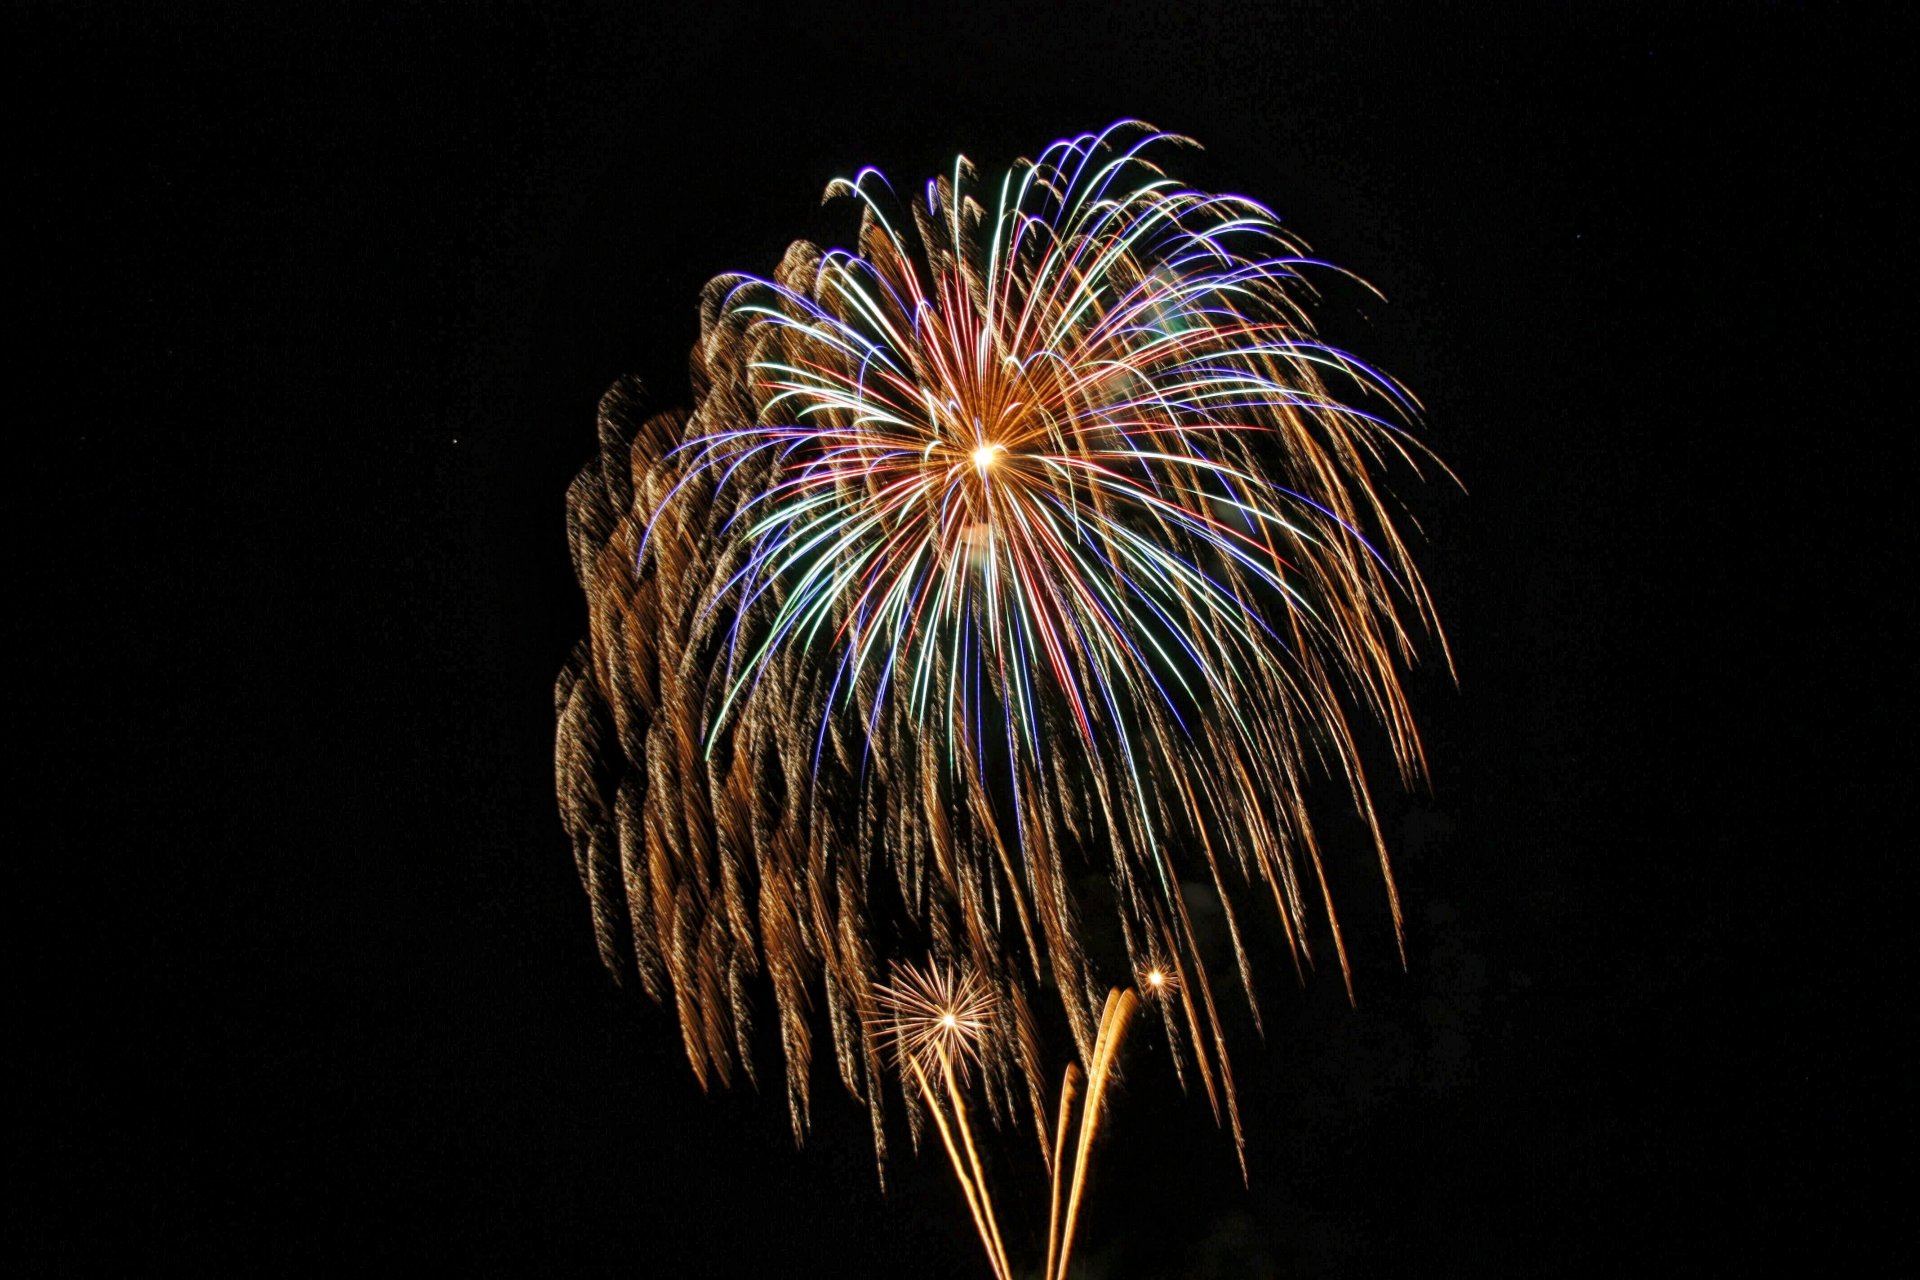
x: 1036, y: 535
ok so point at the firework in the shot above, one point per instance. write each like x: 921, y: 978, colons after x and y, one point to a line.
x: 1158, y: 979
x: 1035, y: 536
x: 935, y: 1017
x: 934, y: 1014
x: 1114, y: 1020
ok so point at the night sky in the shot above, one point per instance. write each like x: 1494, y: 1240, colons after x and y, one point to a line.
x: 313, y: 309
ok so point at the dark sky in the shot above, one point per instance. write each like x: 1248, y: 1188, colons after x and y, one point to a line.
x: 316, y: 306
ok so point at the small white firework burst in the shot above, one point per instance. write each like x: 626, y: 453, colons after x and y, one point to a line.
x: 934, y: 1012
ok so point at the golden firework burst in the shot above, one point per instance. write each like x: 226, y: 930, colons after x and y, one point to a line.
x: 1157, y: 979
x: 927, y: 1013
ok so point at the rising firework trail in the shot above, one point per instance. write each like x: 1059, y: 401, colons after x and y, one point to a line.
x: 1034, y: 538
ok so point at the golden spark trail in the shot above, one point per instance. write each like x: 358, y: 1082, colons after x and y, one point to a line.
x: 998, y: 1249
x: 1113, y: 1028
x: 1068, y: 1086
x: 976, y: 1196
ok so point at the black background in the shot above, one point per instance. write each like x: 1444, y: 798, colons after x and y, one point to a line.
x: 316, y: 306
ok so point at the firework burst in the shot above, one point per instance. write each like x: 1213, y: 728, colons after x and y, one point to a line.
x: 1036, y: 536
x: 933, y: 1014
x: 1157, y: 979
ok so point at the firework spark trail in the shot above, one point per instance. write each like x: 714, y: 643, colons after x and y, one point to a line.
x: 1114, y: 1020
x: 1036, y: 534
x: 972, y: 1183
x: 1069, y: 1089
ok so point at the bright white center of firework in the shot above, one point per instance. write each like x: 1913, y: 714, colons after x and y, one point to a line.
x: 986, y: 455
x: 1156, y: 977
x: 948, y: 1021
